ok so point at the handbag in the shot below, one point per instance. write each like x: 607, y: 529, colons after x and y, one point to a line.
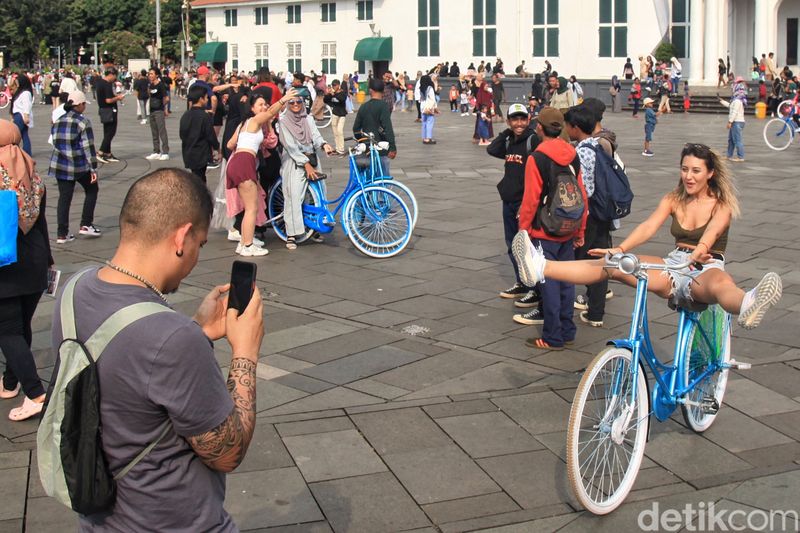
x: 106, y: 114
x: 9, y: 225
x: 428, y: 106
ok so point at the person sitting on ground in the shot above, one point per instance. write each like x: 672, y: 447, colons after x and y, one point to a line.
x: 702, y: 207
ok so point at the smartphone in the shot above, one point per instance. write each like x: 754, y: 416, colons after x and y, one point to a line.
x: 243, y: 281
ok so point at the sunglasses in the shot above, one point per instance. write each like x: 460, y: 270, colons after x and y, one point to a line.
x: 295, y: 101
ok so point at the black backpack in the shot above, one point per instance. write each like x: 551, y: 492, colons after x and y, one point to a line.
x: 561, y: 205
x: 612, y: 197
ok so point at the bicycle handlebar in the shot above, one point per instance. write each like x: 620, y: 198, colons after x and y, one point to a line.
x: 628, y: 263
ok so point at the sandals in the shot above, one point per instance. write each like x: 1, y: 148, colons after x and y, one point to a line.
x: 28, y: 409
x: 291, y: 243
x: 7, y: 394
x: 541, y: 344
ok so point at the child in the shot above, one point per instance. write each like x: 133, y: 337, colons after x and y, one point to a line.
x: 636, y: 96
x: 762, y: 91
x: 483, y: 126
x: 686, y: 97
x: 197, y: 133
x: 454, y: 99
x: 650, y: 122
x: 465, y: 103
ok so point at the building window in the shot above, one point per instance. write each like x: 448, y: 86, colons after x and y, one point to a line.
x: 293, y: 14
x: 329, y: 58
x: 484, y: 30
x: 294, y: 54
x: 262, y: 55
x: 364, y: 9
x: 613, y: 28
x: 681, y: 10
x: 362, y: 67
x: 328, y: 12
x: 261, y: 16
x: 428, y: 33
x: 545, y: 28
x: 230, y: 17
x: 235, y: 57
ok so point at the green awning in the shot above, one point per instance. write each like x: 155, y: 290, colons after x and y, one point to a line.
x: 212, y: 53
x: 373, y: 49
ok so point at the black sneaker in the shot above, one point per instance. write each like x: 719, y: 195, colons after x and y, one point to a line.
x: 582, y: 303
x: 594, y: 323
x: 514, y: 292
x: 110, y: 158
x: 532, y: 317
x: 529, y: 300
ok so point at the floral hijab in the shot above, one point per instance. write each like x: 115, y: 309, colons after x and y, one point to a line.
x: 17, y: 173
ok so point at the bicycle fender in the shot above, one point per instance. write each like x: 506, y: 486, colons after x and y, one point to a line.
x: 621, y: 343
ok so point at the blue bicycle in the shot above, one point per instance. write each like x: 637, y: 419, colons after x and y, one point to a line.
x: 610, y: 417
x: 780, y: 132
x: 376, y: 219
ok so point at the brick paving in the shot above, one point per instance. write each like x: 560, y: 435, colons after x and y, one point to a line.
x: 397, y: 395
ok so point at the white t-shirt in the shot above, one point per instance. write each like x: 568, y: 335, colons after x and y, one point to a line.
x: 68, y: 85
x: 24, y: 104
x: 57, y: 113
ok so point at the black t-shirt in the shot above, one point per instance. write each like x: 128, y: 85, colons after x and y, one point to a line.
x: 105, y: 90
x: 140, y: 86
x: 158, y: 92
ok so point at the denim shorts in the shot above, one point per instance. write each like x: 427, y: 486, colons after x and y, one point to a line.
x: 648, y: 132
x: 682, y: 280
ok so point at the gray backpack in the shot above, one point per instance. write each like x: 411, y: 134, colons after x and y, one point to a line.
x: 72, y: 466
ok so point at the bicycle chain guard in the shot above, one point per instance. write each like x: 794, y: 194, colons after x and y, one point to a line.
x: 661, y: 404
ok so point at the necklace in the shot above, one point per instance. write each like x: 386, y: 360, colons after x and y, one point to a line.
x: 137, y: 278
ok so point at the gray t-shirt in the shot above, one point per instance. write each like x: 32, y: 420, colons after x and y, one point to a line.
x: 161, y: 366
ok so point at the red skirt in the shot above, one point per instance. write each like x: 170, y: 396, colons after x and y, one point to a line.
x: 241, y: 167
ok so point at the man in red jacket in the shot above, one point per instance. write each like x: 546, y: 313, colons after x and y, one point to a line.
x: 542, y: 168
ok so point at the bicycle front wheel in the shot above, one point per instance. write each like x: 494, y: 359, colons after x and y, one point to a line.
x: 404, y: 192
x: 709, y: 344
x: 378, y: 222
x: 778, y: 134
x: 785, y: 109
x: 607, y: 431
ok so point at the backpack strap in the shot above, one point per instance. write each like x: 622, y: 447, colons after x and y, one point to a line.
x: 67, y: 309
x: 142, y: 454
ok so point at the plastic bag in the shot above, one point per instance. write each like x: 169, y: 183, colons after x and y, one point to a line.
x: 220, y: 219
x: 9, y: 225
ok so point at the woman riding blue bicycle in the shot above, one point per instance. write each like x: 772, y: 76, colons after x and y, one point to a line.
x: 701, y: 206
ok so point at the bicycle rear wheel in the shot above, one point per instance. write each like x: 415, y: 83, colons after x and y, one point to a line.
x: 378, y: 222
x: 325, y: 117
x: 785, y: 109
x: 404, y: 192
x: 275, y: 205
x: 607, y: 432
x: 778, y: 134
x: 709, y: 343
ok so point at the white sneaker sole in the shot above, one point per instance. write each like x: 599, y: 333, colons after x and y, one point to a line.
x: 768, y: 293
x: 521, y: 248
x: 519, y: 319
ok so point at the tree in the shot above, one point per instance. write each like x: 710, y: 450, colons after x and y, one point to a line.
x: 664, y: 52
x: 123, y: 45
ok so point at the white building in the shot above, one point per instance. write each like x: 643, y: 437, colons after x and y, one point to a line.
x: 588, y: 38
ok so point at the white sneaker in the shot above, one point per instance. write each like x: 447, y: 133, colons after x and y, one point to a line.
x: 530, y: 259
x: 143, y: 121
x: 90, y: 231
x: 758, y: 300
x: 154, y: 155
x: 234, y: 235
x: 253, y: 250
x: 163, y: 157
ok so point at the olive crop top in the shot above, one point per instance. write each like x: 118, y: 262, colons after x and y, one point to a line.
x: 692, y: 237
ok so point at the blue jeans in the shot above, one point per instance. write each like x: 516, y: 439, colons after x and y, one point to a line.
x: 23, y: 130
x: 510, y: 228
x: 427, y: 126
x: 735, y: 139
x: 557, y: 297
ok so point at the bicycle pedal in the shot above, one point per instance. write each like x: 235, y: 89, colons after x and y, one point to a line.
x: 329, y: 223
x: 736, y: 365
x: 710, y: 405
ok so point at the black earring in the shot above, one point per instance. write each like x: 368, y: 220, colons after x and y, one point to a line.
x: 179, y: 253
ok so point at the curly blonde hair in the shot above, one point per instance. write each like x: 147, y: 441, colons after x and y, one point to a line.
x: 721, y: 184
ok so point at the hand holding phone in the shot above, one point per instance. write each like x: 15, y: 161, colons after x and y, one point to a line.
x: 243, y: 281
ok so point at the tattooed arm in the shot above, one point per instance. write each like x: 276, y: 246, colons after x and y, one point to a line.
x: 224, y: 447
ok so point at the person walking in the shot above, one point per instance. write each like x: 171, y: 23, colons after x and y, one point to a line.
x: 22, y: 282
x: 159, y: 98
x: 675, y: 70
x: 429, y: 109
x: 498, y: 96
x: 198, y: 141
x: 616, y: 98
x: 140, y: 86
x: 22, y: 110
x: 636, y: 96
x: 336, y: 98
x: 107, y: 108
x: 736, y: 120
x: 74, y: 161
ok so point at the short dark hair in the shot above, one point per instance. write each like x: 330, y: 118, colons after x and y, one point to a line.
x: 377, y: 85
x: 551, y: 132
x: 156, y: 70
x: 263, y: 75
x: 596, y: 106
x: 581, y: 117
x: 162, y: 201
x: 299, y: 76
x: 195, y: 93
x: 111, y: 70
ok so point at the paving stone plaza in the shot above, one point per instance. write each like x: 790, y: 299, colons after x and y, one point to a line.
x: 398, y: 394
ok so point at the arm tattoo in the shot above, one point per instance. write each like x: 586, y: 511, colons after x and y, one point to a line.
x: 223, y: 448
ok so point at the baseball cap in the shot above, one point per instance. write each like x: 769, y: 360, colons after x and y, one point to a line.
x: 202, y: 70
x: 517, y: 110
x: 647, y: 100
x: 76, y: 98
x: 551, y: 117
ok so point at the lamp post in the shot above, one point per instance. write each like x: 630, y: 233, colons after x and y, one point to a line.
x: 158, y: 32
x: 59, y: 55
x: 95, y: 43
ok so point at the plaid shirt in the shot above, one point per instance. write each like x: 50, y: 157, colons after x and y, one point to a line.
x: 73, y: 147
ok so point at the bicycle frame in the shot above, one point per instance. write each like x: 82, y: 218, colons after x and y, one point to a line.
x: 670, y: 387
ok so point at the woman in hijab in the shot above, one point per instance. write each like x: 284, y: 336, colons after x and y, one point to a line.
x: 483, y: 97
x: 563, y: 98
x: 614, y: 91
x: 736, y: 119
x: 22, y: 110
x: 537, y: 87
x: 240, y: 174
x: 301, y: 142
x: 22, y: 283
x: 427, y: 99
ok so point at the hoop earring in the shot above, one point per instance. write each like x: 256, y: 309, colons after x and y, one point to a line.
x: 179, y: 253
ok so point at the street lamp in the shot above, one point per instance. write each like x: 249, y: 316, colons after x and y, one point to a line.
x: 59, y: 55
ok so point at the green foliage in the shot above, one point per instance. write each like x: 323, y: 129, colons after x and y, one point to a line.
x: 664, y: 52
x: 123, y: 45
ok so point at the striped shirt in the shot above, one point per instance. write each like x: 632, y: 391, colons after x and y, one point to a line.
x: 73, y: 147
